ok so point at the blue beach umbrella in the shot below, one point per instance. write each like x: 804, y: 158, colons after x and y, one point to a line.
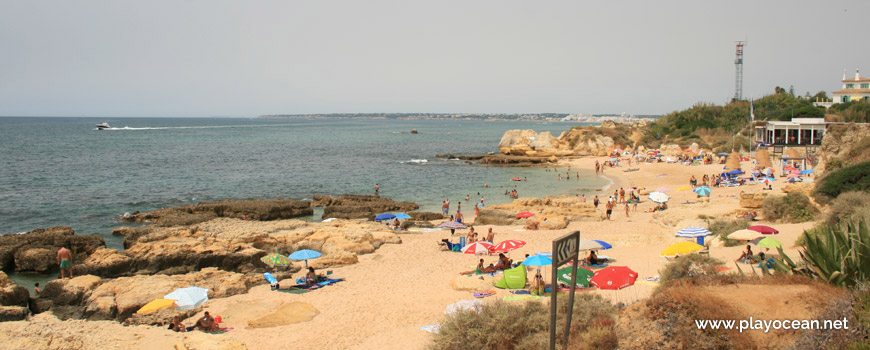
x: 403, y: 216
x: 304, y: 254
x: 386, y: 216
x: 702, y: 191
x: 604, y: 245
x: 734, y: 172
x: 808, y: 171
x: 722, y: 154
x: 537, y: 260
x: 693, y: 232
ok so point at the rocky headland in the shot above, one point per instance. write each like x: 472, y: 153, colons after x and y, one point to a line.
x: 558, y: 211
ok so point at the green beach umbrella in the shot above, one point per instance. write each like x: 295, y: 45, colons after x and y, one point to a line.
x: 769, y: 242
x: 275, y: 260
x: 583, y: 276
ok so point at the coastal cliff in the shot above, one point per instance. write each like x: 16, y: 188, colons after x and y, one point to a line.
x: 579, y: 141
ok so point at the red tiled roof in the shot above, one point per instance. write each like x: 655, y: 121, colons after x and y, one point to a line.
x: 852, y: 91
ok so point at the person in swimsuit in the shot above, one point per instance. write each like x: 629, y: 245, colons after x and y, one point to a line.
x: 490, y: 236
x: 64, y: 260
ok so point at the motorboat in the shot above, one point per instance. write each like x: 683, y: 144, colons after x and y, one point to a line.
x: 103, y: 126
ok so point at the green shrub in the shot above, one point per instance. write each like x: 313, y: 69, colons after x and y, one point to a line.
x: 836, y: 254
x: 849, y: 206
x: 507, y: 326
x: 852, y: 178
x: 834, y: 163
x: 689, y: 266
x: 793, y: 207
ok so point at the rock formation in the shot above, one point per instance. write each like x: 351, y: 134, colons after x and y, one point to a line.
x: 36, y: 251
x: 752, y: 200
x: 551, y: 213
x: 237, y: 246
x: 846, y: 142
x: 252, y: 209
x: 90, y: 297
x: 579, y: 141
x: 359, y: 206
x: 13, y: 300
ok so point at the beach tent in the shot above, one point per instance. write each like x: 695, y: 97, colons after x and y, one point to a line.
x: 514, y: 278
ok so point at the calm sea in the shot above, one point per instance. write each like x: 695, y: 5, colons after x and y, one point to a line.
x: 61, y: 171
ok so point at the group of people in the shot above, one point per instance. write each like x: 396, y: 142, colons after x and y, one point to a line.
x: 471, y: 237
x: 206, y: 323
x: 503, y: 263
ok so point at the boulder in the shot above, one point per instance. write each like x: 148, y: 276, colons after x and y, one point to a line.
x: 425, y: 215
x: 472, y: 283
x: 131, y: 234
x: 39, y: 260
x: 13, y: 313
x: 516, y: 142
x: 70, y: 291
x: 752, y: 200
x: 349, y: 212
x: 800, y: 187
x: 553, y: 222
x: 11, y: 294
x: 105, y: 262
x: 494, y: 216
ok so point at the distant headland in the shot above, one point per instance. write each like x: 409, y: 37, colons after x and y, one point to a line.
x: 552, y: 117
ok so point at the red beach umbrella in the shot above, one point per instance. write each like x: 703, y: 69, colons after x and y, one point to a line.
x: 506, y: 246
x: 789, y: 168
x: 525, y: 214
x: 477, y: 248
x: 765, y: 230
x: 614, y: 277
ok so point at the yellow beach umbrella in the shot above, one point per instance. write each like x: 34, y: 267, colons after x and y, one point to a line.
x: 744, y: 235
x: 156, y: 304
x: 681, y: 248
x: 683, y: 188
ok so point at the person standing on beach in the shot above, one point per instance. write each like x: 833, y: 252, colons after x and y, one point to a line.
x: 452, y: 230
x: 597, y: 167
x: 609, y: 207
x: 626, y: 209
x: 64, y: 260
x: 377, y: 189
x: 595, y: 201
x: 445, y: 207
x: 458, y: 216
x: 621, y: 195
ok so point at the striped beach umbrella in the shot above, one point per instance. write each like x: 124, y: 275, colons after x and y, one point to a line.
x: 604, y: 245
x: 453, y: 225
x: 477, y: 248
x: 506, y: 246
x: 692, y: 232
x: 588, y: 244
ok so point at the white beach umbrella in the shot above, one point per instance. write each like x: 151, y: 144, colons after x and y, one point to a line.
x: 588, y: 244
x: 658, y: 197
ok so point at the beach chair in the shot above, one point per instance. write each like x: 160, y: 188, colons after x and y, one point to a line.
x: 273, y: 282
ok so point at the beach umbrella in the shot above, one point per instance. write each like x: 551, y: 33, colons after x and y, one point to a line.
x: 658, y: 197
x: 583, y: 276
x: 188, y: 298
x: 452, y: 225
x: 681, y: 248
x: 794, y: 179
x: 477, y: 248
x: 765, y: 230
x: 506, y: 246
x: 403, y: 216
x: 789, y: 168
x: 386, y: 216
x: 683, y: 188
x: 588, y: 244
x: 275, y: 260
x: 769, y: 242
x: 305, y: 254
x: 793, y: 175
x: 604, y: 245
x: 693, y: 232
x: 702, y: 191
x: 722, y: 154
x: 525, y: 214
x: 744, y: 235
x: 156, y: 304
x: 471, y: 305
x: 614, y: 277
x: 663, y: 189
x: 808, y: 171
x: 537, y: 260
x: 768, y: 180
x: 734, y: 172
x: 769, y: 171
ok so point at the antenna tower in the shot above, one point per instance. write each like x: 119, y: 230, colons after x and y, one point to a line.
x: 738, y: 65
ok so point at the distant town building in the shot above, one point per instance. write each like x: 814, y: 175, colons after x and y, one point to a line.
x: 853, y: 89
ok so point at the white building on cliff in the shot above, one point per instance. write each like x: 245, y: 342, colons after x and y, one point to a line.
x: 853, y: 89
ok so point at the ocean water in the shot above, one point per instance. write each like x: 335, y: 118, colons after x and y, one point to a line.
x: 61, y: 171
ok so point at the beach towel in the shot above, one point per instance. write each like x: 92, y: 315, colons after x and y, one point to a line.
x: 596, y: 266
x: 521, y: 291
x: 484, y: 294
x: 521, y: 297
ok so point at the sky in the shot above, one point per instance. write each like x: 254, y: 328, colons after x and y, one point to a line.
x: 191, y: 58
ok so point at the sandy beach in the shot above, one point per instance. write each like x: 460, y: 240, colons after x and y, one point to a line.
x: 391, y: 293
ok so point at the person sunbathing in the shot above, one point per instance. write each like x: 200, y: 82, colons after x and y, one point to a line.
x: 592, y: 259
x: 503, y: 262
x: 311, y: 277
x: 746, y: 255
x: 480, y: 269
x: 176, y: 325
x: 206, y: 323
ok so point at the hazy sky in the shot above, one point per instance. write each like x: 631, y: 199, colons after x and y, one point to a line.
x: 247, y: 58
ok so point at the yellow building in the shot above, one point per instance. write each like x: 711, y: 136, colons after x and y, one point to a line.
x: 853, y: 89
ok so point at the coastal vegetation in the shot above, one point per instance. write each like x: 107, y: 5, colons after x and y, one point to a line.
x: 690, y: 266
x: 835, y: 254
x: 850, y: 178
x: 713, y: 126
x: 508, y: 326
x: 857, y: 111
x: 793, y: 207
x: 722, y: 227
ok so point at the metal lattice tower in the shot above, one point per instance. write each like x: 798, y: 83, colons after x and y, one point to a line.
x: 738, y: 65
